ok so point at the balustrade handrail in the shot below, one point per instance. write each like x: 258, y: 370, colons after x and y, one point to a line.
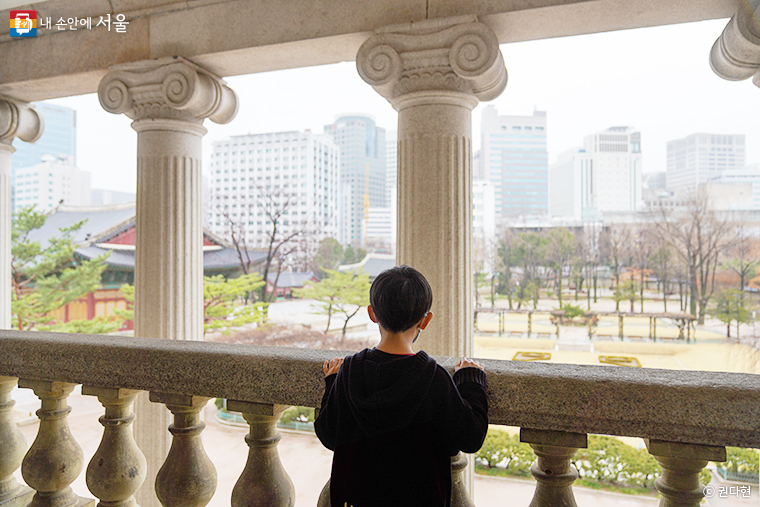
x: 708, y: 408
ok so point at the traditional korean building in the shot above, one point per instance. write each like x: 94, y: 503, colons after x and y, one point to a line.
x: 110, y: 229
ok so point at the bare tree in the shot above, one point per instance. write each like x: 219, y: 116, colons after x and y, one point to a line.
x: 560, y: 247
x: 663, y: 262
x: 742, y: 256
x: 698, y: 236
x: 591, y: 236
x: 282, y: 233
x: 616, y: 247
x: 236, y: 233
x: 643, y: 246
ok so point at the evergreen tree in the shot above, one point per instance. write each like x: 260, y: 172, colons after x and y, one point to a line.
x: 46, y: 279
x: 219, y: 302
x: 343, y: 293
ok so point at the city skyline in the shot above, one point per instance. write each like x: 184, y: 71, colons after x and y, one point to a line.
x: 656, y: 80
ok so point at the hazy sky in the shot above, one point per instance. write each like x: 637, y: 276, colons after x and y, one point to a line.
x: 657, y: 80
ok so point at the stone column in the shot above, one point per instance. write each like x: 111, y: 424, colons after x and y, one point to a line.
x: 20, y: 120
x: 433, y: 73
x: 736, y: 54
x: 168, y: 99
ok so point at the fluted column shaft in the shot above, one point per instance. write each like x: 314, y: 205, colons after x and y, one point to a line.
x: 6, y: 150
x: 20, y: 120
x: 168, y: 98
x: 434, y: 73
x: 435, y: 214
x: 168, y: 257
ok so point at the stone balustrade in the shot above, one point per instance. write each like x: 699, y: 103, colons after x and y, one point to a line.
x: 686, y: 418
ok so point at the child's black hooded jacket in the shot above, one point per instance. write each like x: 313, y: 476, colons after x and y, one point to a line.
x: 394, y: 422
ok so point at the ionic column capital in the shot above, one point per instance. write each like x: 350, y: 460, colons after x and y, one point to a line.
x: 19, y: 119
x: 736, y: 54
x: 441, y: 60
x: 167, y: 88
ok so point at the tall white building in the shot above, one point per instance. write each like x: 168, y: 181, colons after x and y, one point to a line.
x: 362, y: 173
x: 290, y: 174
x: 483, y: 209
x: 604, y: 175
x: 698, y: 158
x: 514, y: 158
x: 56, y: 180
x: 391, y: 161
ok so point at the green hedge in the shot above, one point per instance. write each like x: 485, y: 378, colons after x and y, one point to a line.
x: 607, y: 462
x: 741, y: 461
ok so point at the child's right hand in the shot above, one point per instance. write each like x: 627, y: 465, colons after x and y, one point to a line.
x: 332, y: 366
x: 467, y: 363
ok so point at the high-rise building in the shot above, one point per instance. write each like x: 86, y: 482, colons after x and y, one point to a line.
x: 56, y: 180
x: 381, y: 230
x: 362, y: 174
x: 293, y: 175
x: 391, y: 162
x: 697, y: 158
x: 604, y: 175
x: 58, y: 139
x: 483, y: 210
x: 513, y: 157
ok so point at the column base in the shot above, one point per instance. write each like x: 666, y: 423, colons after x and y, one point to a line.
x: 80, y: 502
x: 22, y: 498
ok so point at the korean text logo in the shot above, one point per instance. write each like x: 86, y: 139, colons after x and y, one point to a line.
x: 23, y: 23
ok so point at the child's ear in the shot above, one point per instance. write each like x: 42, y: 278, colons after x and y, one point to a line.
x: 371, y: 313
x: 426, y: 320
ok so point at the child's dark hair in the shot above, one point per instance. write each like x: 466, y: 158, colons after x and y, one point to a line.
x: 400, y: 297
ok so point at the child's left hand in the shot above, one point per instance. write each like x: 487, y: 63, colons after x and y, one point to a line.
x: 332, y: 366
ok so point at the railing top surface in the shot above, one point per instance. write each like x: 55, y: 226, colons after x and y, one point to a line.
x: 683, y: 406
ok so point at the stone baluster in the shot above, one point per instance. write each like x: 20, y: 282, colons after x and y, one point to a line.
x: 117, y: 469
x: 12, y: 449
x: 264, y: 482
x: 553, y: 470
x: 17, y: 119
x: 55, y: 459
x: 187, y: 477
x: 459, y: 496
x: 324, y: 496
x: 681, y: 464
x: 433, y: 73
x: 168, y: 99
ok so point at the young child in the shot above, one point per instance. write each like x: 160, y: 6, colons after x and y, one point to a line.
x: 394, y: 417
